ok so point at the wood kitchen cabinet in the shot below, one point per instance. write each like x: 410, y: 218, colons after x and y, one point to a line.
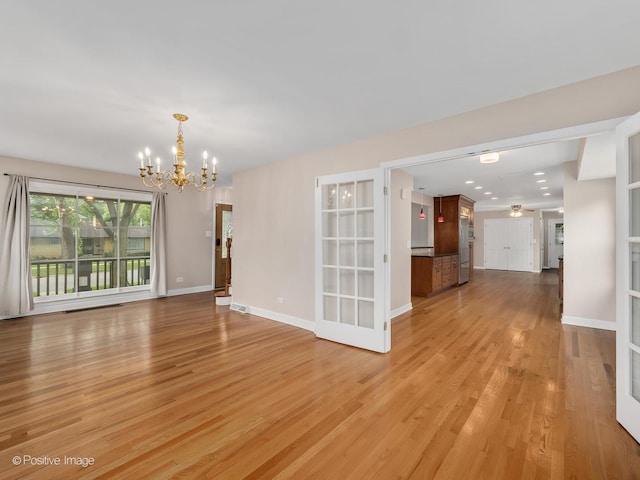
x: 446, y: 235
x: 432, y: 274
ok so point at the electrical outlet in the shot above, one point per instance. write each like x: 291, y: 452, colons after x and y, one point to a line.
x: 179, y: 280
x: 280, y: 300
x: 207, y: 233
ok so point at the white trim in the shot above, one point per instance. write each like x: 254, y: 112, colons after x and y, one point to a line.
x: 589, y: 323
x: 568, y: 133
x: 478, y: 268
x: 396, y: 312
x: 282, y: 318
x: 186, y: 291
x: 86, y: 302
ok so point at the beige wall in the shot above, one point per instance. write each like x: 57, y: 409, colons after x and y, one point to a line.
x: 273, y: 204
x: 478, y: 244
x: 400, y: 253
x: 189, y: 215
x: 589, y: 249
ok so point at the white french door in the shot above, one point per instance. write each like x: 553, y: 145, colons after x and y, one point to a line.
x: 350, y: 296
x: 508, y: 244
x: 628, y: 275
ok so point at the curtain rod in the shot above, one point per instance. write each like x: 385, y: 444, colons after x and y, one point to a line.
x: 84, y: 184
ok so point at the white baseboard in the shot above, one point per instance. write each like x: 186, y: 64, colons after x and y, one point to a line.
x: 283, y: 318
x: 185, y: 291
x: 478, y: 268
x: 400, y: 310
x: 588, y: 322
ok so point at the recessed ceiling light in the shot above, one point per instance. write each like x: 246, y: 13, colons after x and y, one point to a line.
x: 468, y: 182
x: 546, y: 194
x: 494, y: 198
x: 491, y: 157
x: 488, y: 193
x: 478, y: 187
x: 541, y: 181
x: 539, y: 173
x: 544, y: 188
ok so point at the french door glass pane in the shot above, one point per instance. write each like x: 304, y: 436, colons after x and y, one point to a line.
x: 635, y: 266
x: 365, y: 253
x: 346, y: 225
x: 365, y: 194
x: 330, y: 308
x: 365, y: 283
x: 347, y: 282
x: 347, y: 311
x: 347, y: 253
x: 635, y: 320
x: 365, y: 223
x: 634, y: 212
x: 635, y: 375
x: 365, y: 313
x: 330, y: 280
x: 329, y: 197
x: 329, y: 224
x: 346, y: 192
x: 634, y: 158
x: 329, y: 252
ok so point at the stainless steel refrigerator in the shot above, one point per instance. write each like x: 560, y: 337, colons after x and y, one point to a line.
x: 463, y: 247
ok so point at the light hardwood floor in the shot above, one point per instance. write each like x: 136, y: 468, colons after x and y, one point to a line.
x: 482, y: 382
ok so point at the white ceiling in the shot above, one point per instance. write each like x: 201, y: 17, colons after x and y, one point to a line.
x: 510, y: 181
x: 91, y: 83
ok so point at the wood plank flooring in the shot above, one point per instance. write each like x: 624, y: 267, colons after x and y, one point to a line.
x: 482, y: 382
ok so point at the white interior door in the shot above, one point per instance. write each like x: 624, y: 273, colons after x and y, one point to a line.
x: 628, y: 275
x: 520, y: 244
x: 555, y: 244
x: 508, y: 244
x: 350, y: 297
x: 495, y: 245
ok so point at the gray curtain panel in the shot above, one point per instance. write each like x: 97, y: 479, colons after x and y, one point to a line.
x: 16, y: 289
x: 158, y: 245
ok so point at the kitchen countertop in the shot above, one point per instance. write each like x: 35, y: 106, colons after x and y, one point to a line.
x: 428, y: 252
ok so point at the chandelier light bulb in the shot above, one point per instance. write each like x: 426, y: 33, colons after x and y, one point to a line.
x: 147, y: 152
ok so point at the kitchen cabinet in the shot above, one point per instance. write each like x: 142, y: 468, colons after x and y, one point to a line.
x: 430, y: 274
x: 446, y: 234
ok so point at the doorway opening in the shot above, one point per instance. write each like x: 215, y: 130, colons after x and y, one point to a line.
x: 224, y: 231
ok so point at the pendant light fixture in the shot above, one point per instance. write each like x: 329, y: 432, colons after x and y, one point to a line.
x: 421, y: 215
x: 440, y: 216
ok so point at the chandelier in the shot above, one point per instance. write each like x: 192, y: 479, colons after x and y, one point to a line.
x: 178, y: 176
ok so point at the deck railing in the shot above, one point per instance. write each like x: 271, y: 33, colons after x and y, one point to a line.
x: 57, y: 277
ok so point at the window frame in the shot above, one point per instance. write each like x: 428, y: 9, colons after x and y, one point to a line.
x: 79, y: 191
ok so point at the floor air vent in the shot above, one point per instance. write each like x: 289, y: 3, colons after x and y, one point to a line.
x: 239, y: 308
